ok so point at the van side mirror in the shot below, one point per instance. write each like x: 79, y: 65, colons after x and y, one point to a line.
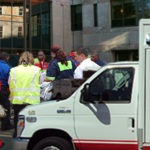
x: 85, y: 93
x: 88, y: 95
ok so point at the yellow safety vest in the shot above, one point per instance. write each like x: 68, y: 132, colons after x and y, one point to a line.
x: 36, y: 61
x: 24, y: 85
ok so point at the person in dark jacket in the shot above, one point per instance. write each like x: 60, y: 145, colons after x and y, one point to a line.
x: 97, y: 60
x: 62, y: 67
x: 4, y: 93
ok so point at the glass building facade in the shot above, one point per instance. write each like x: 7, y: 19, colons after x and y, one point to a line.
x: 24, y: 25
x: 126, y: 13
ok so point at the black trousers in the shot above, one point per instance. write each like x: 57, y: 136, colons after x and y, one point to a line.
x: 17, y: 108
x: 6, y: 104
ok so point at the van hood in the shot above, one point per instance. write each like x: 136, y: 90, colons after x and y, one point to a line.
x: 48, y: 108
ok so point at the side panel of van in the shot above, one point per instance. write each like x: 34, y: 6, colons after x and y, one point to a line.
x: 110, y: 124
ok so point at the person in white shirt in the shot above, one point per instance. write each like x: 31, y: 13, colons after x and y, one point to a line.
x: 86, y: 63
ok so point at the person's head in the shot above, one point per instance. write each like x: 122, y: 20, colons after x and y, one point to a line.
x: 81, y: 54
x: 95, y: 57
x: 61, y: 56
x: 26, y: 58
x: 4, y: 56
x: 41, y: 55
x: 54, y: 51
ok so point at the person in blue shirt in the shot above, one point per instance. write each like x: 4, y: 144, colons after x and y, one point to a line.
x: 97, y: 60
x: 4, y: 75
x: 62, y: 67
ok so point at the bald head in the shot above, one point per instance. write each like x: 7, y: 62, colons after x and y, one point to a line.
x: 95, y: 57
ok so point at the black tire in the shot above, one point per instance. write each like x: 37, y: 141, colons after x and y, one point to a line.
x: 53, y: 142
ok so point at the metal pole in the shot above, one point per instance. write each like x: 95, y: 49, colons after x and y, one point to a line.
x: 11, y: 25
x: 0, y: 37
x: 51, y: 24
x: 30, y: 25
x: 25, y: 25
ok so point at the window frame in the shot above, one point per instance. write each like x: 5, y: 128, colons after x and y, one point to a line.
x: 1, y: 10
x: 117, y: 101
x: 1, y: 32
x: 20, y: 11
x: 138, y: 15
x: 95, y: 12
x: 20, y: 30
x: 74, y: 25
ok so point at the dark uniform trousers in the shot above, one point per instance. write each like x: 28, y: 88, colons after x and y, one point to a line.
x: 5, y: 124
x: 17, y: 108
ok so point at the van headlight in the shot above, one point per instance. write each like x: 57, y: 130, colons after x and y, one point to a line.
x: 20, y: 125
x: 31, y: 119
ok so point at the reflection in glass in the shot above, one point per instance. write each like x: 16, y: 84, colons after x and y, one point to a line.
x: 41, y: 25
x: 146, y: 8
x: 128, y: 12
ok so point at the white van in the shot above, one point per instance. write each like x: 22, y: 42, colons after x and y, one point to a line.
x: 109, y: 111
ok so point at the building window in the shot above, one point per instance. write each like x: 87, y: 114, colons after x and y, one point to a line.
x: 45, y: 24
x: 128, y: 12
x: 76, y: 17
x: 95, y: 15
x: 0, y: 10
x: 20, y: 11
x: 19, y: 32
x: 126, y: 55
x: 35, y: 26
x: 1, y: 31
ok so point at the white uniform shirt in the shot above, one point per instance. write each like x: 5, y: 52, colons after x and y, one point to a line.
x: 85, y: 65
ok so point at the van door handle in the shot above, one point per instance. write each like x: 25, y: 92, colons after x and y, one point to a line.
x: 131, y: 123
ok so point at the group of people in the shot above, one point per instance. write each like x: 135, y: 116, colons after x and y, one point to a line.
x: 20, y: 85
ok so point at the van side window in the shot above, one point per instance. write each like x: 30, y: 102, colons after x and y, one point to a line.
x: 113, y: 85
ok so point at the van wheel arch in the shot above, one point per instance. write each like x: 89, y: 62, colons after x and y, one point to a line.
x: 53, y: 143
x: 41, y: 134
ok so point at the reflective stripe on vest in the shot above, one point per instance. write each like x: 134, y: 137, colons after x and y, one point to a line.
x: 30, y: 94
x: 50, y: 78
x: 63, y: 67
x: 25, y: 99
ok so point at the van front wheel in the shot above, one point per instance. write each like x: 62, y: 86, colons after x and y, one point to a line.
x: 53, y: 143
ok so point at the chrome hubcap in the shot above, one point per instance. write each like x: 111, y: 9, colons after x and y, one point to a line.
x: 51, y: 148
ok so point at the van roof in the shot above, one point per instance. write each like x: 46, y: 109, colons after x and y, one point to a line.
x: 124, y: 63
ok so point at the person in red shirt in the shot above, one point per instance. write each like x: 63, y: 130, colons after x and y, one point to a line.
x: 40, y: 61
x: 72, y: 55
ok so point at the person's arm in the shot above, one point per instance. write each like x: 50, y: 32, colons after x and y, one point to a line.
x: 9, y: 80
x: 74, y: 66
x: 51, y: 72
x: 9, y: 69
x: 78, y: 74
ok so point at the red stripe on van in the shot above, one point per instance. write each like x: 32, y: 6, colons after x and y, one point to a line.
x: 105, y: 140
x: 146, y: 148
x: 85, y: 144
x: 98, y: 146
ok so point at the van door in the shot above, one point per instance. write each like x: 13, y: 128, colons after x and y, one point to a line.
x: 109, y: 120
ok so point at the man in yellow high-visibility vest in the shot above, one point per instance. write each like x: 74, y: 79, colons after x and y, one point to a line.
x: 24, y: 85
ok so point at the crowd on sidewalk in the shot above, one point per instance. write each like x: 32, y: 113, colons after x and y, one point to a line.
x: 20, y: 85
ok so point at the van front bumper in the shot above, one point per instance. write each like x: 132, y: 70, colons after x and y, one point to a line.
x: 20, y: 144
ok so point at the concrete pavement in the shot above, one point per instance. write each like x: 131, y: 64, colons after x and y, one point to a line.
x: 6, y: 137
